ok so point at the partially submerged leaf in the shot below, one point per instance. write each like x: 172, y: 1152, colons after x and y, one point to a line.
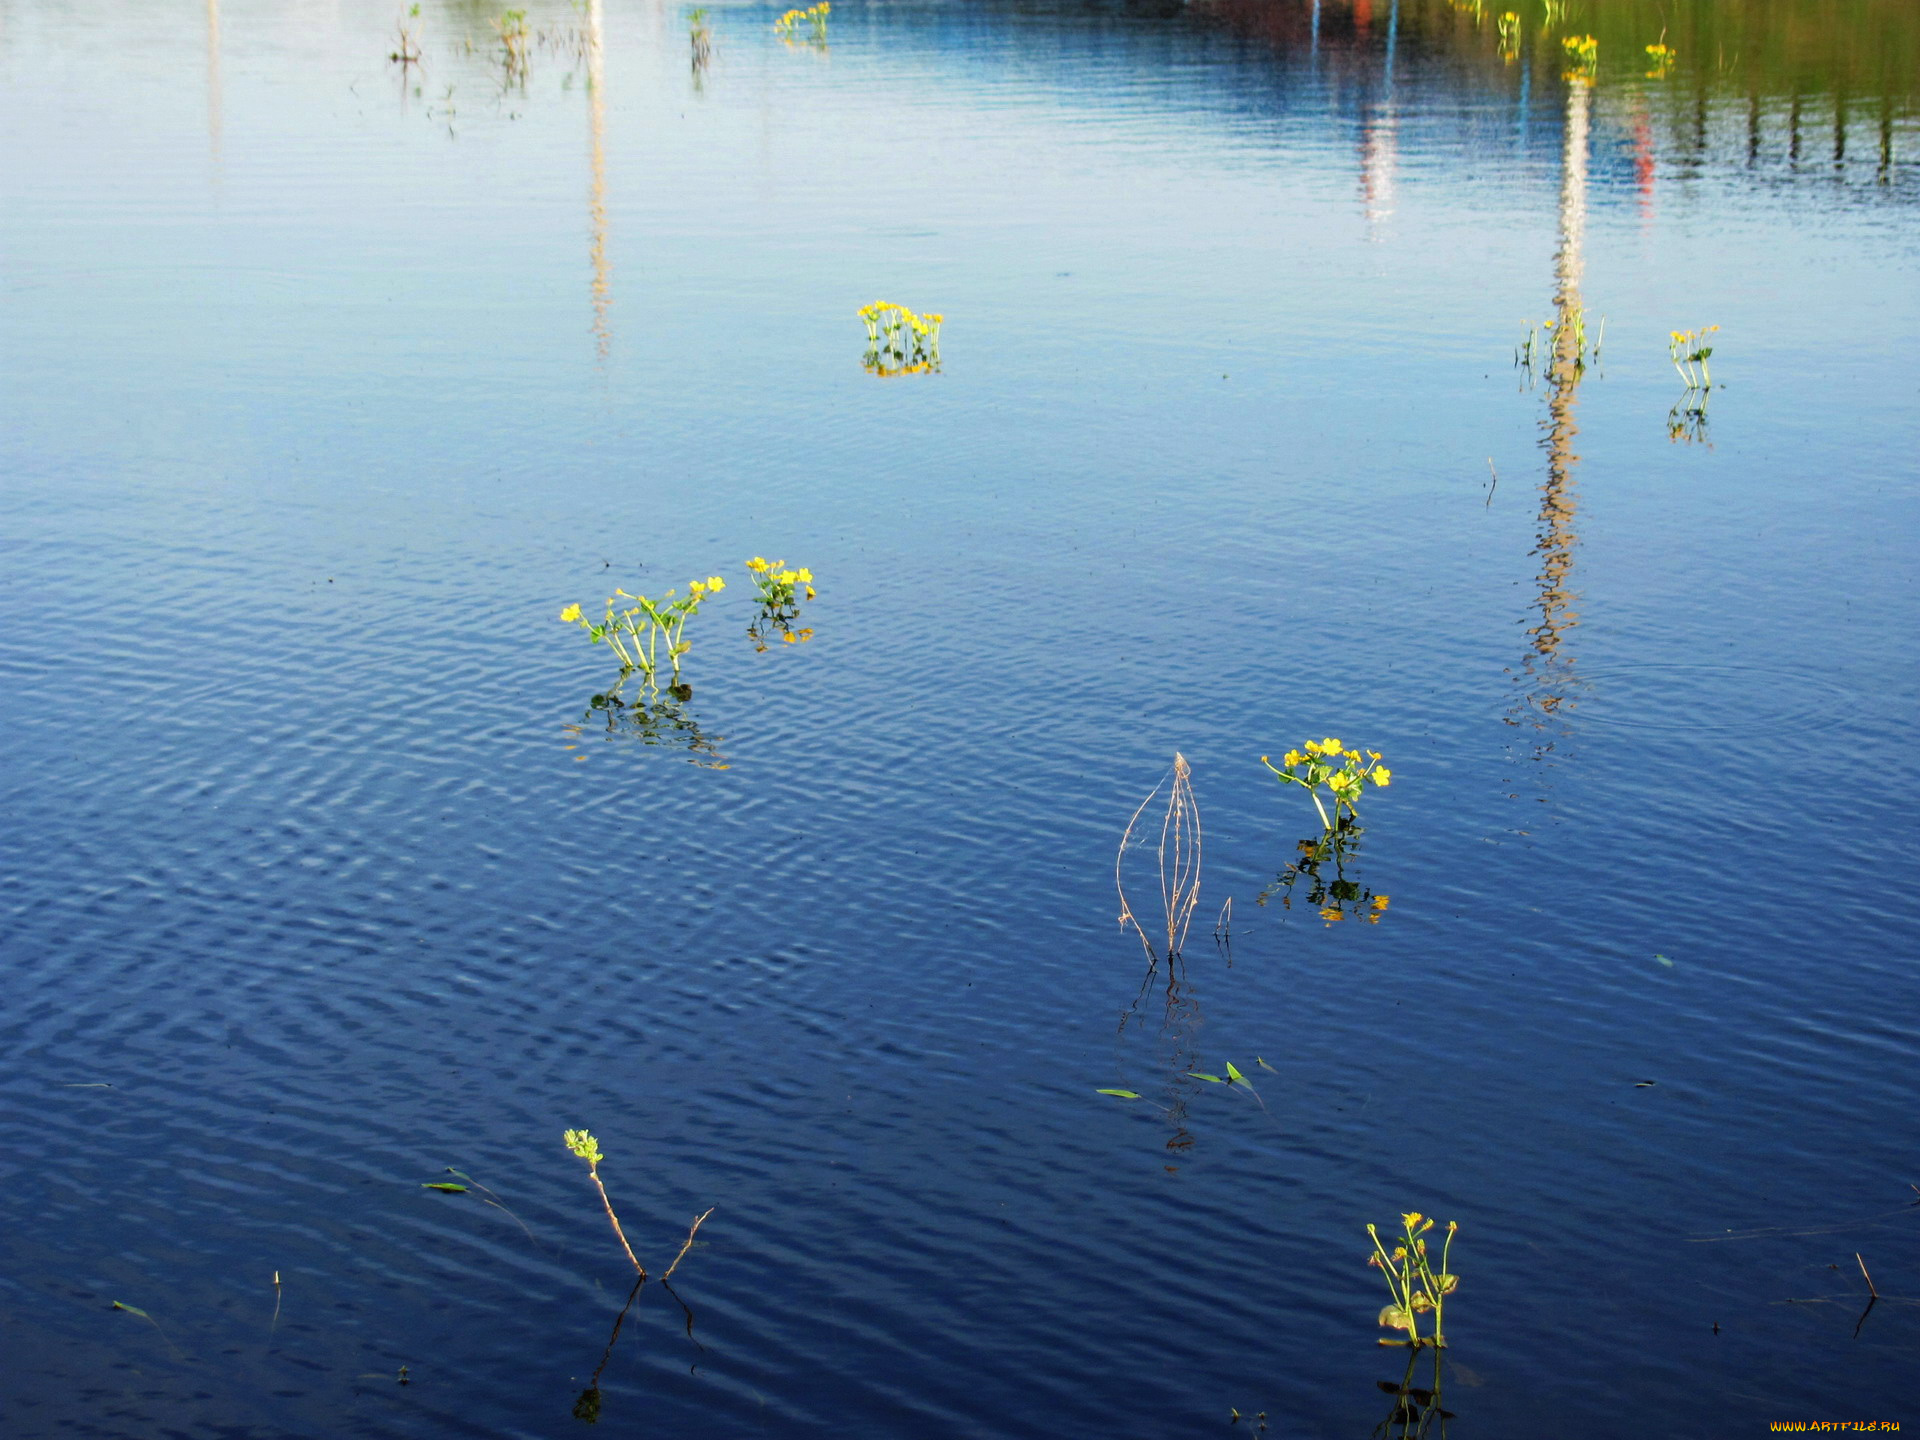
x: 1263, y: 1064
x: 1123, y: 1094
x: 1233, y: 1073
x: 131, y: 1309
x: 1197, y: 1075
x: 445, y: 1187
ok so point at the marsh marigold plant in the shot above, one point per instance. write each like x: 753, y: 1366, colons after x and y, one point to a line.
x: 1327, y: 764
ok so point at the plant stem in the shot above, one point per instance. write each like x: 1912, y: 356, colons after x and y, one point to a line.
x: 687, y: 1245
x: 594, y: 1172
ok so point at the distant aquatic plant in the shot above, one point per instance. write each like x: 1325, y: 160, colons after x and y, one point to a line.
x: 1415, y: 1285
x: 1344, y: 774
x: 511, y: 27
x: 408, y: 52
x: 814, y: 16
x: 1563, y: 340
x: 1178, y: 854
x: 1690, y: 352
x: 700, y: 38
x: 1555, y: 9
x: 777, y: 585
x: 635, y: 633
x: 780, y: 592
x: 1661, y: 57
x: 1583, y: 56
x: 1508, y: 26
x: 900, y: 342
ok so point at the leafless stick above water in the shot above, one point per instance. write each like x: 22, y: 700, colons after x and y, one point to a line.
x: 1178, y: 855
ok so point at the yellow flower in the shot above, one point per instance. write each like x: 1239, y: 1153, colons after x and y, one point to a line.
x: 1380, y: 901
x: 1382, y: 775
x: 714, y: 582
x: 1292, y: 758
x: 788, y: 637
x: 806, y: 576
x: 1313, y: 747
x: 1330, y: 913
x: 756, y: 563
x: 1329, y: 747
x: 809, y: 592
x: 570, y: 614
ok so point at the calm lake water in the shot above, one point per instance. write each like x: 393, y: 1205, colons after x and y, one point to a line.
x: 331, y: 380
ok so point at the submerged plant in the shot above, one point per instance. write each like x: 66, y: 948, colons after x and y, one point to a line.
x: 1327, y: 763
x: 1415, y: 1285
x: 900, y: 342
x: 635, y: 633
x: 1178, y: 854
x: 1690, y: 351
x: 1583, y: 56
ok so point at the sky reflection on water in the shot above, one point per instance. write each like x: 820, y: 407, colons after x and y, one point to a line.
x: 335, y: 379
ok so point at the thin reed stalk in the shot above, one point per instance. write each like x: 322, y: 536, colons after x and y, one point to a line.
x: 1178, y: 855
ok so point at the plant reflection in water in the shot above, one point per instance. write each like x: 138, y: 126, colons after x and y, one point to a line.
x: 1333, y: 893
x: 1415, y: 1407
x: 660, y: 718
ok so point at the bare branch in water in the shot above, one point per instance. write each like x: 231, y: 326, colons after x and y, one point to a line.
x: 1179, y: 860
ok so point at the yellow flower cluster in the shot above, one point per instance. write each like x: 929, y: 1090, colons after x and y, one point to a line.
x: 1583, y: 55
x: 900, y: 342
x: 1327, y: 762
x: 1662, y: 58
x: 780, y: 586
x: 814, y: 15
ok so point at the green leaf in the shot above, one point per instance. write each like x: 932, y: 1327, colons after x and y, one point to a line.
x: 131, y: 1309
x: 1214, y: 1078
x: 1234, y: 1074
x: 1263, y: 1064
x: 1123, y: 1094
x: 446, y: 1187
x: 1392, y: 1317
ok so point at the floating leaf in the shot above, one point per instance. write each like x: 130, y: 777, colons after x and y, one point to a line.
x: 1123, y: 1094
x: 446, y: 1187
x: 1233, y: 1073
x: 1214, y: 1078
x: 1664, y: 961
x: 131, y: 1309
x: 1263, y: 1064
